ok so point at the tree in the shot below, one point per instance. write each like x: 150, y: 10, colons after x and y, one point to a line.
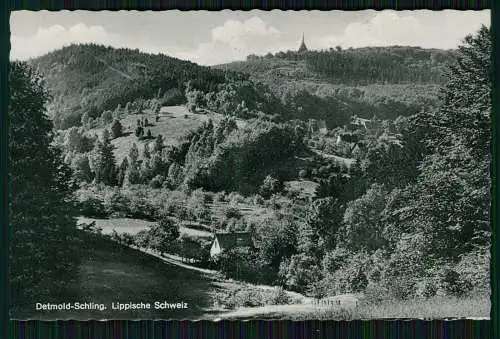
x: 117, y: 113
x: 363, y: 227
x: 43, y: 256
x: 117, y: 129
x: 133, y: 153
x: 269, y: 186
x: 159, y: 144
x: 139, y: 132
x: 105, y: 170
x: 454, y: 178
x: 85, y: 120
x: 445, y: 213
x: 149, y: 136
x: 107, y: 117
x: 122, y: 172
x: 81, y: 168
x: 163, y: 234
x: 132, y: 175
x: 175, y: 174
x: 146, y: 153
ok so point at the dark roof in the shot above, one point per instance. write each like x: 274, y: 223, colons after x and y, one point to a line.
x: 229, y: 240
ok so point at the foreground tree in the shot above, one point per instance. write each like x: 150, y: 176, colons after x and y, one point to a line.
x: 446, y: 212
x: 105, y: 170
x: 43, y: 256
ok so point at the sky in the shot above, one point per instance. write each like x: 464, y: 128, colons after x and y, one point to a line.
x: 210, y: 38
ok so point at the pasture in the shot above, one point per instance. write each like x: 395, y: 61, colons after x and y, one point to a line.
x: 110, y: 272
x: 173, y: 123
x: 133, y: 226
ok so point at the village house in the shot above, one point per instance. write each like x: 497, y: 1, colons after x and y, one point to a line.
x: 316, y: 126
x: 228, y: 240
x: 366, y: 124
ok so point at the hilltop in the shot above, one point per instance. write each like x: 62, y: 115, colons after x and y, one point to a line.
x: 382, y: 81
x: 359, y: 66
x: 92, y: 78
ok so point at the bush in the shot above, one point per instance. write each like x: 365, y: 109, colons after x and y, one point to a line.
x: 258, y: 199
x: 252, y: 297
x: 279, y: 297
x: 157, y: 181
x: 116, y: 129
x: 232, y: 212
x: 93, y: 208
x: 235, y: 198
x: 270, y: 186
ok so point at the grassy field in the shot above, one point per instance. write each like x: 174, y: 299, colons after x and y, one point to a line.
x: 113, y: 273
x: 133, y: 226
x: 434, y: 308
x: 174, y: 122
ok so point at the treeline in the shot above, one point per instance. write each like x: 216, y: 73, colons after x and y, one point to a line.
x: 238, y: 97
x: 367, y: 65
x: 214, y: 157
x: 91, y: 79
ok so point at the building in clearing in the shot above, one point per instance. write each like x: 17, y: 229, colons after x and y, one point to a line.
x: 228, y: 240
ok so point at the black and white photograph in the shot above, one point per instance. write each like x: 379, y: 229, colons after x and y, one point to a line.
x: 300, y: 165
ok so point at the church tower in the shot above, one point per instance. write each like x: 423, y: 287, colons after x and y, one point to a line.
x: 303, y: 47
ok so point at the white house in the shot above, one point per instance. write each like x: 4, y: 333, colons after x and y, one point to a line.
x: 225, y: 241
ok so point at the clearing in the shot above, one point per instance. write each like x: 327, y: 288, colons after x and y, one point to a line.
x: 133, y: 226
x: 173, y: 122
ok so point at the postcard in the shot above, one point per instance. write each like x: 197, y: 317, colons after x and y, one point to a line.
x: 250, y: 164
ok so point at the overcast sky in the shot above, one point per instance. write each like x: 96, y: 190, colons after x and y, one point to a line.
x: 217, y: 37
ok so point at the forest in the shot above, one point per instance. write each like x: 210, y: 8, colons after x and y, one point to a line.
x: 399, y: 208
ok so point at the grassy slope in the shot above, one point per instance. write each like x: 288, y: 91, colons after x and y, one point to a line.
x: 174, y: 122
x: 133, y: 226
x: 113, y: 273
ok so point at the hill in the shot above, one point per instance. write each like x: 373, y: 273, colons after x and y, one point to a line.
x: 360, y: 66
x: 382, y: 81
x: 92, y: 78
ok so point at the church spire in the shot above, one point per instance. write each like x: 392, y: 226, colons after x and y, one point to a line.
x: 303, y: 47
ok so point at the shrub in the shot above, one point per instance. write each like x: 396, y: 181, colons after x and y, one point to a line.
x: 269, y: 186
x: 258, y: 199
x: 279, y: 297
x: 232, y: 212
x: 157, y: 181
x: 93, y: 207
x: 235, y: 198
x: 116, y: 129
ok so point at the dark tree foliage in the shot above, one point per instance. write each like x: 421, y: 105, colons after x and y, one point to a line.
x: 105, y: 170
x: 163, y: 234
x: 454, y: 198
x: 43, y: 255
x: 379, y: 64
x: 122, y: 172
x: 117, y: 129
